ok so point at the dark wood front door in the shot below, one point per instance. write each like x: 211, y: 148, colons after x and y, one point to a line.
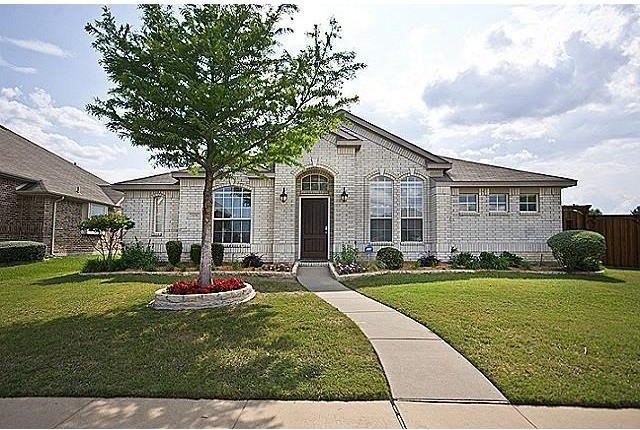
x: 314, y: 229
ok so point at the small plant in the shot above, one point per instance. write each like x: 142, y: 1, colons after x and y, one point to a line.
x: 347, y: 255
x: 19, y: 250
x: 96, y: 265
x: 513, y: 259
x: 217, y: 254
x: 429, y: 260
x: 490, y: 261
x: 277, y: 267
x: 252, y: 260
x: 139, y: 256
x: 174, y: 251
x: 111, y: 228
x: 391, y: 257
x: 375, y: 266
x: 194, y: 253
x: 578, y: 249
x: 464, y: 260
x: 345, y: 269
x: 218, y: 285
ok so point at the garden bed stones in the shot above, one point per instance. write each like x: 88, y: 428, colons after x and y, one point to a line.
x: 175, y: 302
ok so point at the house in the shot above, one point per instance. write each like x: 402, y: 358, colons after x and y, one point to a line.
x: 359, y: 185
x: 44, y: 197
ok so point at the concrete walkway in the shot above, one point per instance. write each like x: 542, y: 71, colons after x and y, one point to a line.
x: 419, y: 365
x: 51, y: 412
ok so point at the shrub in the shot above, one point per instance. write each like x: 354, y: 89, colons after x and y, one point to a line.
x: 513, y: 259
x: 347, y: 255
x: 217, y: 254
x: 174, y: 251
x: 464, y: 260
x: 139, y: 256
x: 194, y: 253
x: 344, y: 268
x: 578, y: 249
x: 21, y: 250
x: 279, y: 267
x: 428, y: 260
x: 391, y: 257
x: 489, y: 260
x: 375, y: 266
x: 252, y: 260
x: 218, y: 285
x: 111, y: 228
x: 95, y: 265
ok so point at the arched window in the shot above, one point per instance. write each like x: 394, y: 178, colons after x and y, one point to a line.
x: 315, y: 182
x: 232, y: 215
x: 381, y: 209
x: 411, y: 208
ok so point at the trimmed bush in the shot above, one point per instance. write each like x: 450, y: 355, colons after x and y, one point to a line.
x: 174, y: 251
x: 252, y: 260
x: 347, y: 255
x: 392, y: 258
x: 428, y: 260
x: 464, y: 260
x: 578, y: 249
x: 21, y: 250
x: 103, y: 265
x: 139, y: 256
x: 217, y: 253
x: 489, y: 260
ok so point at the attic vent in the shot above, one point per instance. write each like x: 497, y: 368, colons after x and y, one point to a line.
x: 77, y: 189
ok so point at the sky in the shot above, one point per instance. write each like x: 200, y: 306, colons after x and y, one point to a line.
x: 552, y: 89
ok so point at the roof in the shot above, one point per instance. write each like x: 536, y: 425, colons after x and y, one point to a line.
x: 474, y: 173
x: 162, y: 180
x: 45, y: 172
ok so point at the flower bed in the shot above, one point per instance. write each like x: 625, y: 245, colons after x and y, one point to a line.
x: 190, y: 295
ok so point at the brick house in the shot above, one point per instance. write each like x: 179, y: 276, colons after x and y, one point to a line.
x: 359, y: 185
x: 44, y: 197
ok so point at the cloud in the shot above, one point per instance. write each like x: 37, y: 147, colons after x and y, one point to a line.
x: 36, y: 117
x: 19, y: 69
x: 498, y: 39
x: 36, y: 46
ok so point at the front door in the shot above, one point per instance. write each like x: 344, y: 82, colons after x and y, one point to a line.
x: 314, y: 229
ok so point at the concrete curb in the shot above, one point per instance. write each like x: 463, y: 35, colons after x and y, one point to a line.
x: 446, y: 271
x: 263, y: 273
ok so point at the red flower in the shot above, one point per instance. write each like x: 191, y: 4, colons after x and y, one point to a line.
x: 218, y: 285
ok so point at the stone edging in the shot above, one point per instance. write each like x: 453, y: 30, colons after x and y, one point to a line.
x: 435, y: 271
x: 174, y: 302
x: 265, y: 273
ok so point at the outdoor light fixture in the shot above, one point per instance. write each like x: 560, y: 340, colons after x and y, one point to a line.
x: 344, y: 196
x: 283, y: 196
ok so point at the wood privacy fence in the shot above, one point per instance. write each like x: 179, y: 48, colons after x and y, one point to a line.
x: 622, y: 233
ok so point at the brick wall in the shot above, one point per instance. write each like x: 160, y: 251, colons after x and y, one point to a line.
x: 69, y: 239
x: 21, y: 217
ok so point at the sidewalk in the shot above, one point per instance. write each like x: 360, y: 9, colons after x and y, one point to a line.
x: 67, y: 412
x: 418, y: 364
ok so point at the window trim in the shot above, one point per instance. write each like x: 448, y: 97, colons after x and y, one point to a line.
x: 154, y: 214
x: 250, y: 219
x: 506, y: 203
x: 391, y: 182
x: 537, y: 203
x: 467, y: 211
x: 412, y: 179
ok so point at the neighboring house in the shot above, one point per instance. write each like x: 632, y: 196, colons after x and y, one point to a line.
x: 359, y: 185
x: 44, y: 197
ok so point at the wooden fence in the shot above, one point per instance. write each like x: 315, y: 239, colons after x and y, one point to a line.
x: 622, y: 233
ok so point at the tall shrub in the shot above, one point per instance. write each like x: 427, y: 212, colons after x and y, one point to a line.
x: 391, y: 257
x: 578, y: 249
x: 174, y: 251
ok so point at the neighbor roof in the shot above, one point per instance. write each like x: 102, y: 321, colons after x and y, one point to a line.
x: 45, y: 172
x: 473, y: 173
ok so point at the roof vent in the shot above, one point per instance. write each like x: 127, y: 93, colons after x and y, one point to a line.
x: 77, y: 189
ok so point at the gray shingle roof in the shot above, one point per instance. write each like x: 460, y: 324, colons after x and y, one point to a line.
x: 45, y: 172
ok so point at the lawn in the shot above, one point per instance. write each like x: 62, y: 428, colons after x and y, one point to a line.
x: 62, y: 334
x: 565, y: 340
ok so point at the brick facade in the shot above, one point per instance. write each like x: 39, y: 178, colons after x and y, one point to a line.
x: 275, y: 225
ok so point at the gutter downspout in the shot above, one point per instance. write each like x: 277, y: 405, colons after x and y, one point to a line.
x: 53, y: 223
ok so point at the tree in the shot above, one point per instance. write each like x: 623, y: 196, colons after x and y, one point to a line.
x: 111, y: 227
x: 595, y: 212
x: 636, y: 211
x: 211, y: 88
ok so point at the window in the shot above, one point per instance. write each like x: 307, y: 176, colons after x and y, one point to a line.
x: 381, y: 209
x: 232, y: 215
x: 96, y: 209
x: 528, y: 203
x: 314, y: 183
x: 498, y: 202
x: 411, y: 204
x: 468, y: 202
x: 157, y: 218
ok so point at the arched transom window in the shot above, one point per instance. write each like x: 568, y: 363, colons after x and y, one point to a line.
x: 411, y: 208
x: 315, y: 182
x: 232, y: 215
x: 381, y: 209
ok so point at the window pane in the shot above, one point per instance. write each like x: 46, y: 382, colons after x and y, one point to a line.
x: 497, y: 202
x: 95, y: 209
x: 411, y: 230
x: 468, y: 202
x: 232, y: 215
x: 381, y: 230
x: 158, y: 214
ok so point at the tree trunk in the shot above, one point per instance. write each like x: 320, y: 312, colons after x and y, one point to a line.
x: 207, y: 212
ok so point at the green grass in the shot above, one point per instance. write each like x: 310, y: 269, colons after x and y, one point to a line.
x: 62, y: 334
x: 566, y: 340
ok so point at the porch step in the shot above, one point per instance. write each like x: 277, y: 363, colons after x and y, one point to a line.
x: 313, y: 263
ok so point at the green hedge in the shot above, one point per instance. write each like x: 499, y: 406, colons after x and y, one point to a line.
x: 578, y: 249
x: 174, y: 251
x: 21, y: 250
x: 392, y: 258
x: 217, y: 253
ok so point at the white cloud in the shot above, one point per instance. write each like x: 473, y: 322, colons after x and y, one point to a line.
x: 19, y: 69
x: 36, y: 46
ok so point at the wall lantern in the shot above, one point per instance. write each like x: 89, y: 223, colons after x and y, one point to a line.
x: 283, y: 196
x: 344, y: 196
